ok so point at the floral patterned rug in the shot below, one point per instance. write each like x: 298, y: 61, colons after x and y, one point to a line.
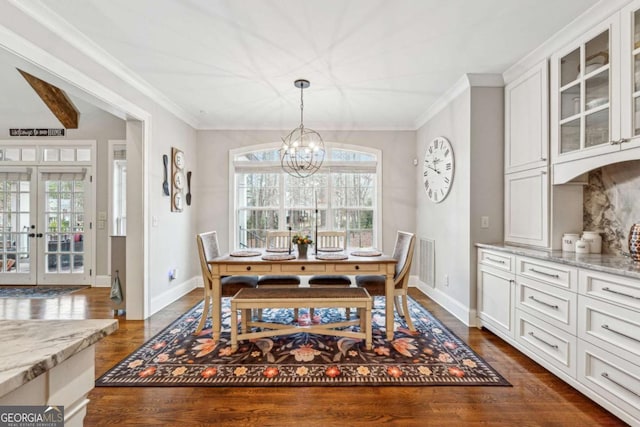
x: 432, y: 355
x: 37, y: 291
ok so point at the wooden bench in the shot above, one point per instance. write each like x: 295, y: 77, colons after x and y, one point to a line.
x: 259, y: 298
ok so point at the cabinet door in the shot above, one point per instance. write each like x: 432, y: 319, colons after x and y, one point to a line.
x: 527, y: 120
x: 630, y: 76
x: 526, y: 218
x: 496, y: 293
x: 585, y: 104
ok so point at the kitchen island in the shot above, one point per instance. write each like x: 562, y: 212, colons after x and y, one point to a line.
x: 51, y: 362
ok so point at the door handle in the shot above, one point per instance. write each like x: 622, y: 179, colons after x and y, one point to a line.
x: 31, y: 234
x: 39, y: 235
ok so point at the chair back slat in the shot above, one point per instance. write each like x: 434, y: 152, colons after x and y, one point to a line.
x: 277, y: 239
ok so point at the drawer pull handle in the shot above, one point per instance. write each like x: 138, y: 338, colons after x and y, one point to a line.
x: 357, y: 267
x: 531, y: 297
x: 496, y: 260
x: 248, y: 268
x: 553, y: 346
x: 620, y: 293
x: 544, y: 273
x: 605, y: 375
x: 303, y: 268
x: 619, y: 333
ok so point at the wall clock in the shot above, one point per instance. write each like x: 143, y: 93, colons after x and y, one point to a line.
x: 438, y: 169
x: 177, y: 179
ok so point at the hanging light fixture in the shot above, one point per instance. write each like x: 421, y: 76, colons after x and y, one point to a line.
x: 302, y: 151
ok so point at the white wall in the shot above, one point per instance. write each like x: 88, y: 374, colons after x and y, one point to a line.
x: 211, y: 191
x: 472, y: 121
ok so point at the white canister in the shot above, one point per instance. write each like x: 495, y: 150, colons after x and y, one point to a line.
x: 582, y: 246
x: 569, y: 242
x: 595, y: 241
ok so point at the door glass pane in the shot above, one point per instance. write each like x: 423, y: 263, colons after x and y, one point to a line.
x: 597, y: 90
x: 64, y: 250
x: 570, y: 136
x: 597, y: 52
x: 597, y: 128
x: 569, y: 67
x: 14, y: 225
x: 570, y: 99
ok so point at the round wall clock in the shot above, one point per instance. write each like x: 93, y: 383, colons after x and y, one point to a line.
x: 438, y: 169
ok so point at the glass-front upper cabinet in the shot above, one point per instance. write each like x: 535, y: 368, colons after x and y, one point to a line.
x: 630, y: 75
x: 582, y: 91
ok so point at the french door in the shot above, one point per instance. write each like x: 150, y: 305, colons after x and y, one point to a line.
x: 45, y: 227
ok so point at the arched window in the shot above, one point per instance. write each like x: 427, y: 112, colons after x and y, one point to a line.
x: 344, y: 192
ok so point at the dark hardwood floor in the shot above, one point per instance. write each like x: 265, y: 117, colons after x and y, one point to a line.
x: 537, y: 397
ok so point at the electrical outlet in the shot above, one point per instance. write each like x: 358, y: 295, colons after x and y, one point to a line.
x: 446, y: 280
x: 484, y: 222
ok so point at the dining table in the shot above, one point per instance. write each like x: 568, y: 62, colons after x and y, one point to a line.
x: 261, y: 262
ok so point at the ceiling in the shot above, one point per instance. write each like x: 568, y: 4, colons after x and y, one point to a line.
x: 373, y: 64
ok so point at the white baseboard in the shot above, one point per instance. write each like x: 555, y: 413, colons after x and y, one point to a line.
x: 103, y: 281
x: 453, y: 306
x: 177, y: 291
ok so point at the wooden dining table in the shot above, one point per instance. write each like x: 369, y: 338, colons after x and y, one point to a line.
x: 230, y: 265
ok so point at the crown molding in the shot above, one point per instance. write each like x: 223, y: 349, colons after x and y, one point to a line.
x: 465, y: 82
x: 574, y: 29
x: 48, y: 18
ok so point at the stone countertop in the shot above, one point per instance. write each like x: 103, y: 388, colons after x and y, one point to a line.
x: 607, y: 263
x: 32, y: 347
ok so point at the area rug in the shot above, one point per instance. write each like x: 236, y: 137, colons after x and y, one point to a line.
x: 38, y: 291
x: 432, y: 355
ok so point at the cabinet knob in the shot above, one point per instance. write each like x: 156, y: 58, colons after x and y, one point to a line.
x: 303, y: 268
x: 248, y: 268
x: 543, y: 159
x: 357, y: 267
x: 543, y: 172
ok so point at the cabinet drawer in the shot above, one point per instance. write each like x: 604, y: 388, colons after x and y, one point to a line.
x: 359, y: 268
x: 304, y: 268
x: 614, y: 379
x: 610, y: 327
x: 502, y: 260
x: 609, y: 287
x: 560, y: 275
x: 553, y: 305
x: 550, y: 343
x: 247, y: 268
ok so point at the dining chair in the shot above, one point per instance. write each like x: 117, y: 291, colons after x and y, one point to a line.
x: 375, y: 285
x: 330, y: 241
x: 279, y: 241
x: 208, y: 249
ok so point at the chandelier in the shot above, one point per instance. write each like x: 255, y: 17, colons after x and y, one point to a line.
x: 302, y: 151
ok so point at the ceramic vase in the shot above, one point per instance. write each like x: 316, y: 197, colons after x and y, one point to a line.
x: 634, y: 242
x: 302, y: 251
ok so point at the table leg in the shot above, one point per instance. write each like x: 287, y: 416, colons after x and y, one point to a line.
x: 234, y: 326
x: 367, y: 326
x: 388, y: 303
x: 216, y: 315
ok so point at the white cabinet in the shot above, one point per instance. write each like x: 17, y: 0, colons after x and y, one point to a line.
x: 595, y: 96
x: 496, y: 291
x: 582, y: 325
x: 526, y: 217
x: 527, y: 120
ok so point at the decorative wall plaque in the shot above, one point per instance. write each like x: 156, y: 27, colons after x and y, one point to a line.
x: 178, y: 180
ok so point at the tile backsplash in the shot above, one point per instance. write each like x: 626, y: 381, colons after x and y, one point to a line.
x: 612, y: 203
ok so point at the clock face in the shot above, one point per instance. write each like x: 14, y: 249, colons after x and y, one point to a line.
x: 178, y: 180
x: 179, y: 159
x: 438, y: 169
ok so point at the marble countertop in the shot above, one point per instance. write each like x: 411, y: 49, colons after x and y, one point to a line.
x: 32, y: 347
x: 607, y: 263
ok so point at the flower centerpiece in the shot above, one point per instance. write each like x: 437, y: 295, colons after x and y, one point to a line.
x: 303, y: 242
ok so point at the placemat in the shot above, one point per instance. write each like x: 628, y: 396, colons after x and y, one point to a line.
x: 330, y: 249
x: 277, y: 249
x: 245, y: 253
x: 278, y: 257
x: 366, y: 253
x: 332, y: 256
